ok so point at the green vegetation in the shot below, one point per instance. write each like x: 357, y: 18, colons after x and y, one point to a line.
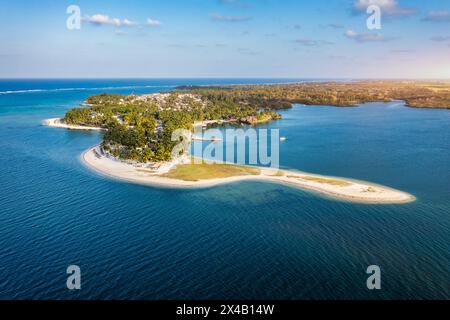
x: 78, y: 116
x: 204, y: 171
x: 334, y: 182
x: 426, y: 94
x: 279, y: 174
x: 140, y: 127
x: 267, y: 116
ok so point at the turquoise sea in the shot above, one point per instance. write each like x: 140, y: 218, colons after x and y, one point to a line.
x: 247, y: 240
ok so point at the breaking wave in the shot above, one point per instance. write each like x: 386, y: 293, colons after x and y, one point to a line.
x: 83, y: 89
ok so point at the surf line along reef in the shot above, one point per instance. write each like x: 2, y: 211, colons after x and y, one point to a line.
x: 137, y: 143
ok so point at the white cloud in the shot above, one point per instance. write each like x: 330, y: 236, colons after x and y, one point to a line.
x: 388, y: 7
x: 101, y: 19
x: 365, y: 36
x: 128, y: 23
x: 153, y: 22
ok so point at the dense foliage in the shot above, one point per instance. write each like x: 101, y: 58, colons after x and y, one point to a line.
x: 425, y: 94
x: 140, y: 127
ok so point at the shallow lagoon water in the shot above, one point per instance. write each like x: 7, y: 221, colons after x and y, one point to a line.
x: 243, y: 240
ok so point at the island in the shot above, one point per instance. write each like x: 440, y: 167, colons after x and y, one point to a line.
x: 137, y: 142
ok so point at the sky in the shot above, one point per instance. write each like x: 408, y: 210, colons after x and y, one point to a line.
x: 224, y: 38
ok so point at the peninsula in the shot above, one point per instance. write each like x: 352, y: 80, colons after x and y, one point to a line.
x: 184, y: 174
x: 137, y: 142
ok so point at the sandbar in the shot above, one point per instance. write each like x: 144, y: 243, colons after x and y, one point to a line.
x: 338, y: 188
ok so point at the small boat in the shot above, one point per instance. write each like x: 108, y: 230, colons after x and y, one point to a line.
x: 282, y: 138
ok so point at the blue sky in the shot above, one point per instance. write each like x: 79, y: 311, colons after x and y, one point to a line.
x: 225, y: 38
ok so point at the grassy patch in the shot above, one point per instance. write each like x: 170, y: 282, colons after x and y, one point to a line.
x: 334, y: 182
x: 205, y: 171
x: 371, y: 189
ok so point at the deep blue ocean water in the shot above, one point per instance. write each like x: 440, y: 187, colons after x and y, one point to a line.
x: 246, y: 240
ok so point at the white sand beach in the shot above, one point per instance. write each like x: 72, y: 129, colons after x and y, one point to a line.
x: 59, y: 123
x: 339, y: 188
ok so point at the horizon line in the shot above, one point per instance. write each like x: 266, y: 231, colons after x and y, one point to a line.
x: 220, y: 78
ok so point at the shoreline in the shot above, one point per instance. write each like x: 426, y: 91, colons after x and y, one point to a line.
x: 59, y: 123
x: 348, y: 190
